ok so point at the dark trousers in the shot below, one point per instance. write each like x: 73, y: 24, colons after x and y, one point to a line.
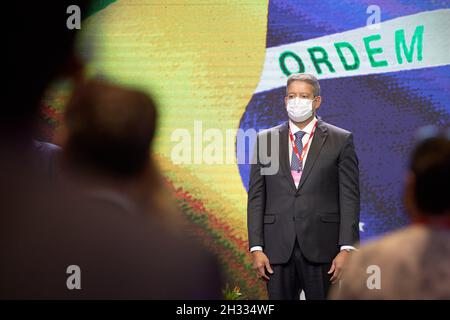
x: 289, y: 279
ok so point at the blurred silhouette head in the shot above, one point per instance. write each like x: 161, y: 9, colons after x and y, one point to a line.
x: 108, y: 129
x: 39, y: 47
x: 428, y: 182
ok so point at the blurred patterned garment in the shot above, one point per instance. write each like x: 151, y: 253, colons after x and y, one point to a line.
x: 419, y: 270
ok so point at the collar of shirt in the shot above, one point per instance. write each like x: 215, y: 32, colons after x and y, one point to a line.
x: 294, y: 129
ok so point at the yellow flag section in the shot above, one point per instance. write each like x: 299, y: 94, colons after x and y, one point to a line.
x: 202, y: 61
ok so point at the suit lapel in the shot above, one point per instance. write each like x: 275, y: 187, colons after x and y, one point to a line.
x: 316, y: 145
x: 284, y: 154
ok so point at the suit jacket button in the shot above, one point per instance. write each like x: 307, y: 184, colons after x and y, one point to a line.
x: 293, y: 218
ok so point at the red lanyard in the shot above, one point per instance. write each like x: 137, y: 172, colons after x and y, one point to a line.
x: 305, y: 147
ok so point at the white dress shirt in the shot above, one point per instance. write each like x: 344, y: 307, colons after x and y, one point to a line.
x: 308, y: 130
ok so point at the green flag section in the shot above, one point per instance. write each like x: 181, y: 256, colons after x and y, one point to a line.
x: 96, y: 6
x: 410, y: 42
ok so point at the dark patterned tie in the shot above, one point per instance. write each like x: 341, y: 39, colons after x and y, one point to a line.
x: 296, y: 165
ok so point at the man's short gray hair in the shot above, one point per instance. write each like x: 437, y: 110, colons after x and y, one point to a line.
x: 305, y: 77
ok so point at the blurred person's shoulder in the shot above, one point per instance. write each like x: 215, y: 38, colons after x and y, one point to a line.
x: 403, y: 261
x: 407, y: 244
x: 408, y: 238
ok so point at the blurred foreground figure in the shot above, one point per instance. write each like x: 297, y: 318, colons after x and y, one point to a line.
x: 106, y: 138
x: 84, y: 239
x: 412, y: 263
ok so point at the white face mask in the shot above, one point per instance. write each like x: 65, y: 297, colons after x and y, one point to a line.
x: 299, y: 109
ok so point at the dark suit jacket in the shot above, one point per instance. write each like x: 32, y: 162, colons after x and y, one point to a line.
x: 323, y: 212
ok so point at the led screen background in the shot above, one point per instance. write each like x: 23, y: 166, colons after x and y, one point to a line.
x: 218, y: 62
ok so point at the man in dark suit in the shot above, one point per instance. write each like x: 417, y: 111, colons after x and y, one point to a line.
x: 303, y: 219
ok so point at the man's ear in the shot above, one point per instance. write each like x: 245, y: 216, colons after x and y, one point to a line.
x: 317, y: 102
x: 409, y: 198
